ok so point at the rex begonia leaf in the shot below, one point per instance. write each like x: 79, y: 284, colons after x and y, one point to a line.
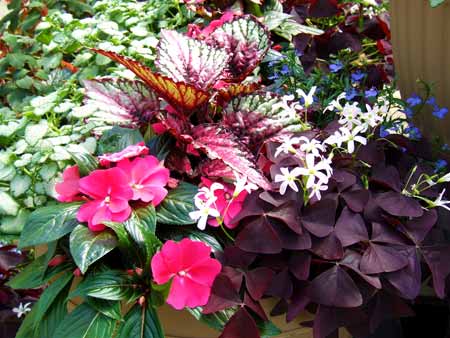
x: 188, y: 60
x: 258, y: 281
x: 241, y: 325
x: 335, y: 287
x: 399, y: 205
x: 407, y: 280
x: 217, y: 143
x: 350, y: 228
x: 319, y: 218
x: 230, y: 90
x: 246, y: 40
x: 382, y: 258
x: 256, y: 118
x: 120, y: 101
x: 183, y: 96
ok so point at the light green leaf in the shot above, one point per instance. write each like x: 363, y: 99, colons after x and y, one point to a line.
x: 177, y: 205
x: 87, y: 247
x: 8, y: 205
x: 13, y: 225
x: 35, y: 132
x: 49, y: 223
x: 117, y: 139
x: 435, y: 3
x: 20, y: 184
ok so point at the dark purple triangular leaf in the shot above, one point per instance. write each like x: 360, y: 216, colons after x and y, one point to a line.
x: 382, y: 258
x: 217, y: 143
x: 281, y: 285
x: 233, y: 256
x: 336, y: 288
x: 120, y: 101
x: 319, y: 218
x: 385, y: 233
x: 259, y: 236
x: 234, y: 275
x: 291, y: 240
x: 407, y: 280
x: 257, y: 281
x: 387, y: 177
x: 288, y: 214
x: 299, y: 301
x: 343, y: 178
x: 188, y: 60
x: 399, y: 205
x: 241, y: 325
x: 352, y: 260
x: 223, y: 295
x: 328, y: 320
x: 299, y: 264
x: 280, y: 308
x: 255, y: 307
x: 350, y: 228
x: 323, y: 8
x: 438, y: 258
x: 356, y: 199
x: 418, y: 228
x: 329, y: 247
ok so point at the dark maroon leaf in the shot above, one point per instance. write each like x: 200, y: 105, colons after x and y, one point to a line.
x: 233, y: 256
x: 288, y: 214
x: 418, y: 228
x: 382, y: 258
x: 223, y: 295
x: 386, y: 306
x: 343, y: 40
x: 407, y: 280
x: 234, y: 275
x: 299, y: 301
x: 350, y: 228
x: 335, y: 287
x: 259, y: 237
x: 280, y: 308
x: 356, y: 199
x: 387, y: 177
x: 299, y: 264
x: 438, y: 258
x: 319, y: 218
x: 328, y: 320
x: 217, y: 143
x: 343, y: 178
x: 352, y: 260
x: 371, y: 153
x: 372, y: 212
x: 241, y: 325
x: 9, y: 260
x: 258, y: 281
x: 399, y: 205
x: 291, y: 240
x: 323, y: 8
x: 329, y: 247
x: 255, y: 307
x: 384, y: 233
x: 281, y: 285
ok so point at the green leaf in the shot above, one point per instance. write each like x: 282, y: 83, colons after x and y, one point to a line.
x: 159, y: 294
x: 31, y: 276
x: 13, y: 225
x: 85, y: 322
x: 109, y: 285
x: 126, y: 245
x: 25, y: 83
x: 8, y: 205
x: 86, y: 162
x: 177, y: 205
x: 87, y: 247
x: 141, y: 322
x: 204, y: 237
x: 50, y: 294
x: 267, y: 329
x: 215, y: 320
x: 48, y: 224
x: 435, y: 3
x: 141, y: 227
x: 117, y: 139
x: 160, y: 146
x: 108, y: 308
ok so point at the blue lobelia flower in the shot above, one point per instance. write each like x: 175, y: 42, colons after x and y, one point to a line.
x: 336, y: 66
x: 440, y: 113
x: 358, y: 76
x: 414, y: 100
x: 350, y: 94
x: 414, y: 132
x: 440, y: 164
x: 409, y: 112
x: 372, y: 92
x: 285, y: 70
x: 446, y: 147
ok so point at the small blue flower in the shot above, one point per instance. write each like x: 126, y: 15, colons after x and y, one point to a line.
x: 275, y: 76
x: 432, y: 102
x: 413, y: 132
x: 440, y: 113
x: 350, y: 94
x: 336, y: 66
x: 440, y: 164
x: 383, y: 131
x: 372, y: 92
x: 414, y: 100
x: 285, y: 70
x: 446, y: 147
x: 409, y: 112
x: 358, y: 76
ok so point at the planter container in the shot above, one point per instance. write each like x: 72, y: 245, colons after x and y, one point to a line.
x: 421, y: 46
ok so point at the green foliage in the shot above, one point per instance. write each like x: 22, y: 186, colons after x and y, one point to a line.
x: 141, y: 322
x: 435, y: 3
x: 177, y: 205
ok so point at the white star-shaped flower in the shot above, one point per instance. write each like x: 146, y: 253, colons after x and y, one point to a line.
x: 288, y: 178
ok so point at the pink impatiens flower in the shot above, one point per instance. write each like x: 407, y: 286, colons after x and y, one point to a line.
x: 110, y: 192
x: 192, y: 269
x: 227, y: 203
x: 147, y: 178
x: 128, y: 152
x: 68, y: 190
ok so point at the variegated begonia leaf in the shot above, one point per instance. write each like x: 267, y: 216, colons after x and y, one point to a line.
x: 217, y: 143
x: 246, y: 39
x: 185, y: 59
x: 120, y: 101
x: 182, y: 96
x: 256, y: 118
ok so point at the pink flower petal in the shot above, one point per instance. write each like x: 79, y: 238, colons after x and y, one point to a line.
x: 128, y: 152
x: 68, y: 189
x: 184, y: 292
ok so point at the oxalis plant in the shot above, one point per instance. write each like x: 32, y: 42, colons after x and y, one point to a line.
x: 212, y: 193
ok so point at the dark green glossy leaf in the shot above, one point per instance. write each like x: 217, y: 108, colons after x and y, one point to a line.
x: 86, y: 162
x: 109, y: 308
x: 87, y: 247
x: 109, y: 285
x: 159, y: 294
x: 117, y: 139
x: 215, y: 320
x: 85, y: 322
x: 177, y: 205
x: 31, y: 276
x: 48, y: 224
x: 141, y: 322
